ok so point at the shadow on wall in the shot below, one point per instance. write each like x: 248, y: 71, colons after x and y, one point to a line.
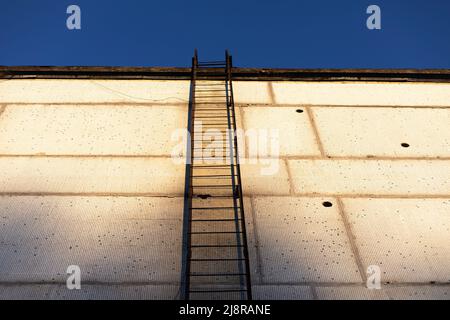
x: 128, y: 245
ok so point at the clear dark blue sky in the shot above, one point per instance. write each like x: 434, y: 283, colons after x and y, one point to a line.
x: 259, y: 33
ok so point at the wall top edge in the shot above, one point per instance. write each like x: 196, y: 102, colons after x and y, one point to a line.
x: 242, y: 74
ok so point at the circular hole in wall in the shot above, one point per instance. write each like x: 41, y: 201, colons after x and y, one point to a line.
x: 299, y: 110
x: 327, y: 204
x: 405, y: 145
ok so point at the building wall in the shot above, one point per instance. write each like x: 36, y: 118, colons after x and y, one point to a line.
x: 89, y: 176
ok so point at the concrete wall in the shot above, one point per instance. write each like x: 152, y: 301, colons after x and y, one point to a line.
x: 87, y: 178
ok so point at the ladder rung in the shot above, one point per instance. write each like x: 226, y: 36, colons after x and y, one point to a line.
x: 207, y: 83
x: 212, y: 208
x: 212, y: 61
x: 212, y: 141
x: 208, y: 178
x: 214, y: 186
x: 206, y: 111
x: 223, y: 130
x: 210, y: 117
x: 215, y: 175
x: 217, y: 76
x: 214, y: 220
x: 224, y: 63
x: 214, y: 96
x: 219, y: 259
x: 209, y: 120
x: 212, y: 166
x: 210, y: 85
x: 217, y: 246
x: 222, y: 108
x: 197, y: 124
x: 208, y: 123
x: 218, y: 102
x: 210, y: 90
x: 216, y: 274
x: 209, y: 149
x: 208, y: 98
x: 212, y: 160
x: 199, y: 157
x: 215, y: 232
x: 217, y: 291
x: 223, y: 159
x: 218, y: 67
x: 216, y: 196
x: 210, y: 101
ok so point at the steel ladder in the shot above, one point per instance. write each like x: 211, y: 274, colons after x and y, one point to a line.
x: 216, y: 261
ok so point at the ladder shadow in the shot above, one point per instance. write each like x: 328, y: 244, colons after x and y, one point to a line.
x: 186, y: 216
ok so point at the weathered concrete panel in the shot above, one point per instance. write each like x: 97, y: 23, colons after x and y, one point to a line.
x: 407, y: 238
x: 265, y: 177
x: 81, y: 175
x: 113, y: 239
x: 90, y: 129
x: 428, y: 177
x: 301, y: 240
x: 251, y: 92
x: 381, y: 131
x: 363, y: 93
x: 93, y: 91
x: 419, y: 292
x: 89, y: 292
x: 350, y: 293
x: 292, y: 131
x: 124, y: 175
x: 282, y: 292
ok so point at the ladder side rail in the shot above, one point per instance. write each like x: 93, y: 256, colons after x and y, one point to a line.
x: 229, y: 62
x: 189, y: 171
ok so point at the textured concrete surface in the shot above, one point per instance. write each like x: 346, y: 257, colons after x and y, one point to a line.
x: 252, y: 92
x: 89, y: 292
x: 362, y: 93
x: 301, y: 240
x: 407, y: 238
x: 117, y: 175
x: 112, y: 239
x: 86, y: 177
x: 381, y: 131
x: 93, y: 91
x: 117, y: 91
x: 265, y: 176
x: 90, y: 129
x: 350, y: 293
x: 91, y: 175
x: 419, y: 292
x: 388, y: 292
x: 299, y: 140
x: 366, y: 177
x: 277, y: 292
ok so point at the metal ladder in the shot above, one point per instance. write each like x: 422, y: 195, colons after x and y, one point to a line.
x: 216, y: 260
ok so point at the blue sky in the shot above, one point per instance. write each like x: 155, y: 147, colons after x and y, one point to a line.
x: 259, y: 33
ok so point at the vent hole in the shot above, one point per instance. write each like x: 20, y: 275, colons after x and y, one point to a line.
x: 327, y: 204
x: 299, y: 110
x: 405, y: 145
x: 203, y: 196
